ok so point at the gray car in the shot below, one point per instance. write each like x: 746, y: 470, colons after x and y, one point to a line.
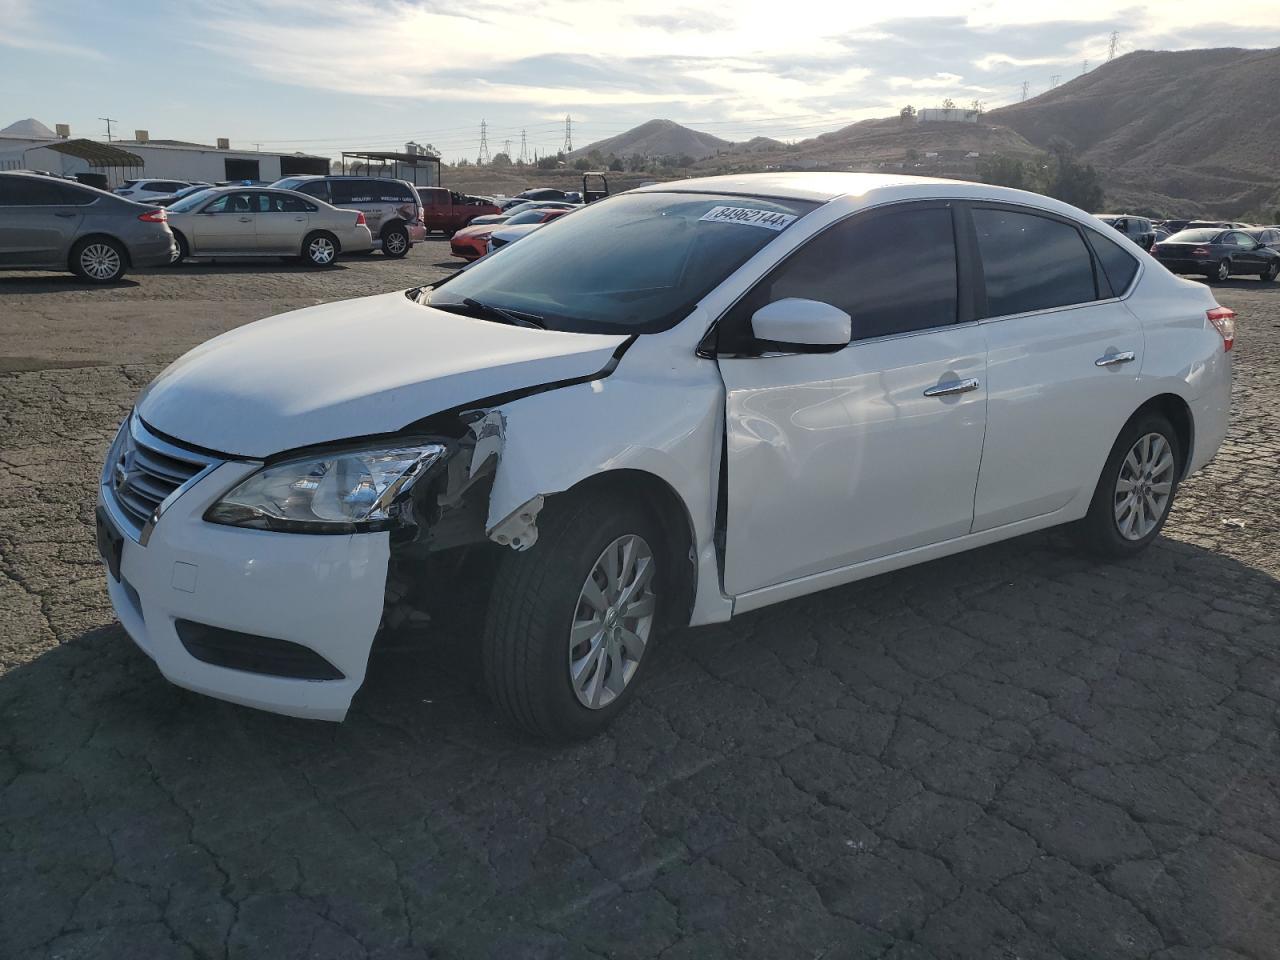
x: 52, y: 224
x: 264, y: 222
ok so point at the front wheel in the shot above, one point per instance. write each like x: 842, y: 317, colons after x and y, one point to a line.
x: 1136, y: 490
x: 183, y: 250
x: 98, y: 260
x: 395, y: 243
x: 571, y: 619
x: 1269, y: 274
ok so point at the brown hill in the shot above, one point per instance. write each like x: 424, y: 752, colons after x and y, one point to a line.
x: 1194, y: 129
x: 658, y: 138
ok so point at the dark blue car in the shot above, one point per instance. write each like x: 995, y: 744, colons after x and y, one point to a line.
x: 1217, y: 254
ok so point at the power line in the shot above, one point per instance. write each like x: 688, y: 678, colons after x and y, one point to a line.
x: 483, y: 156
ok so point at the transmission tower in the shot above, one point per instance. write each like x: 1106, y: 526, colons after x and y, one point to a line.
x: 568, y: 134
x: 1054, y: 80
x: 524, y: 148
x: 483, y: 157
x: 1084, y: 67
x: 1026, y: 85
x: 506, y: 147
x: 1115, y: 42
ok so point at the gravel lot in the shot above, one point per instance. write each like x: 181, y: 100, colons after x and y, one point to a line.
x: 1015, y: 753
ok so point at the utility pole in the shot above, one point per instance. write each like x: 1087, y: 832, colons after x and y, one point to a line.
x: 568, y: 134
x: 524, y: 148
x: 1053, y: 81
x: 1115, y: 42
x: 483, y: 157
x: 1026, y: 85
x: 110, y: 121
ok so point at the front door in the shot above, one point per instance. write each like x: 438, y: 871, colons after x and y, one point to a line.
x: 1063, y: 358
x: 837, y: 458
x: 227, y: 225
x: 281, y: 223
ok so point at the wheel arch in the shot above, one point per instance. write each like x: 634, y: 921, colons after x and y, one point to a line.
x: 319, y: 232
x: 1178, y: 412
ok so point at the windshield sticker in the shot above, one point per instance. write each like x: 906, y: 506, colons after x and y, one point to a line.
x: 756, y: 218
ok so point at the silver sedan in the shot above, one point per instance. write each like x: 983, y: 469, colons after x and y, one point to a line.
x: 265, y: 222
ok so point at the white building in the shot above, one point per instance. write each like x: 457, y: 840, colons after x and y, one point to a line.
x: 947, y: 115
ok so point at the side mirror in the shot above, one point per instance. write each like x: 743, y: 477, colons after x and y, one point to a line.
x: 808, y: 325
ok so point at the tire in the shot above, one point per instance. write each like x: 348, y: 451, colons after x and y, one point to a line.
x: 395, y: 242
x: 538, y: 597
x: 319, y: 250
x: 1223, y: 271
x: 1118, y: 524
x: 184, y: 250
x: 1269, y: 274
x: 98, y: 260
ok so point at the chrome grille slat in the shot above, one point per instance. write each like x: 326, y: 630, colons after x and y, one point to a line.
x: 144, y: 471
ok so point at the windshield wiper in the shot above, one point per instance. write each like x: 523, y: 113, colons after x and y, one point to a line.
x: 503, y: 315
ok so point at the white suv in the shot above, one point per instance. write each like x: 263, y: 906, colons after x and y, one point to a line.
x: 143, y: 191
x: 680, y: 404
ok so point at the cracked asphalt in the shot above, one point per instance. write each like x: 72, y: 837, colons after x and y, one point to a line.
x: 1014, y: 753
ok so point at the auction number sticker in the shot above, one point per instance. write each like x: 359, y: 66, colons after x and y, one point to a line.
x: 755, y: 218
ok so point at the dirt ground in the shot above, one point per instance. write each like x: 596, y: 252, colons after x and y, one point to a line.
x: 1018, y: 752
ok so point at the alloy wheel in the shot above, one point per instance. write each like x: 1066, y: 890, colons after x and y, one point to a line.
x: 612, y: 622
x: 1144, y: 486
x: 321, y: 250
x: 100, y: 261
x: 395, y: 242
x: 1224, y: 270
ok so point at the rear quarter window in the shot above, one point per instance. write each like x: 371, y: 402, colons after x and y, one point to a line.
x: 1118, y: 265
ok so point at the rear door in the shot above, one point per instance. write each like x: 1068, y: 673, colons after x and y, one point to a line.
x: 39, y: 220
x: 838, y: 458
x: 281, y: 223
x: 1063, y: 358
x: 227, y: 225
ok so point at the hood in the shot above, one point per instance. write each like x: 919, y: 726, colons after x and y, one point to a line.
x: 519, y: 230
x: 476, y: 229
x: 351, y: 369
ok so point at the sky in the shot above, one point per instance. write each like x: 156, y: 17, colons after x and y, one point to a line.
x: 295, y: 75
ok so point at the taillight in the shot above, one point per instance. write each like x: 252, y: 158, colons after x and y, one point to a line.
x: 1224, y: 321
x: 422, y: 215
x: 360, y: 220
x: 1155, y: 248
x: 1200, y: 252
x: 155, y: 216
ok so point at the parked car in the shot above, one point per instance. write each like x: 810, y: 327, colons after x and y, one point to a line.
x: 144, y: 191
x: 1268, y: 236
x: 506, y: 203
x: 167, y: 201
x: 471, y: 243
x: 448, y: 210
x: 265, y: 222
x: 53, y: 224
x: 522, y: 207
x: 508, y: 233
x: 707, y: 397
x: 1173, y: 226
x: 545, y: 193
x: 392, y: 207
x: 1137, y: 229
x: 1216, y: 225
x: 1217, y: 254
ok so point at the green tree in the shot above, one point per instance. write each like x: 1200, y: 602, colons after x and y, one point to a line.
x: 912, y: 155
x: 501, y: 160
x: 907, y: 113
x: 582, y: 163
x: 615, y: 163
x: 550, y: 161
x: 1007, y: 172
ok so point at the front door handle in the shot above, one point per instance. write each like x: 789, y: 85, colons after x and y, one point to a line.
x: 1114, y: 359
x: 952, y: 387
x: 246, y: 220
x: 64, y: 213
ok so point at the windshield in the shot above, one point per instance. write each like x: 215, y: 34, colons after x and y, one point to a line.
x: 529, y: 216
x: 189, y: 201
x: 636, y: 263
x: 1194, y: 236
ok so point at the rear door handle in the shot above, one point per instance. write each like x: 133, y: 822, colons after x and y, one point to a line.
x: 64, y: 213
x: 246, y: 219
x: 952, y: 387
x: 1114, y: 359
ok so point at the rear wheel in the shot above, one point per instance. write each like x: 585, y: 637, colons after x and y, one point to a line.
x: 1271, y: 272
x: 571, y: 619
x: 98, y: 260
x: 1136, y: 490
x: 319, y: 250
x: 1223, y: 271
x: 395, y: 242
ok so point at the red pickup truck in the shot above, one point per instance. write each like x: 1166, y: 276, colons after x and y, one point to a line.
x: 447, y: 211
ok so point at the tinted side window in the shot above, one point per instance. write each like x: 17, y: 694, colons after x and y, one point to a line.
x: 352, y: 191
x: 1240, y: 240
x: 390, y: 190
x: 1118, y: 265
x: 315, y: 188
x: 892, y: 272
x: 1031, y: 262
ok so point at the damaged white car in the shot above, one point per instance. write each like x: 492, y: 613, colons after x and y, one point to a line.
x: 682, y: 403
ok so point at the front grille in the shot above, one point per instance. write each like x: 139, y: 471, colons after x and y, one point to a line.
x: 144, y: 470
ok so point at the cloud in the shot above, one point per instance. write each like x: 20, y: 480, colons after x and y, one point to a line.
x: 21, y: 30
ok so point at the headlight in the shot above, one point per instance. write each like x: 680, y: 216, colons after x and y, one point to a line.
x: 341, y: 492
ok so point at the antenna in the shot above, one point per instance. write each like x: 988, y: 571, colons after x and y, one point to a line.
x: 568, y: 134
x: 1026, y: 85
x: 110, y: 121
x: 1054, y: 80
x: 483, y: 157
x: 524, y: 148
x: 1115, y: 42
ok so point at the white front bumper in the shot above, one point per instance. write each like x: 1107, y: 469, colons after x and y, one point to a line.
x: 323, y: 592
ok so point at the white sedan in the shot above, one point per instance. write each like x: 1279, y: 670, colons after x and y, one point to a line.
x: 681, y: 404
